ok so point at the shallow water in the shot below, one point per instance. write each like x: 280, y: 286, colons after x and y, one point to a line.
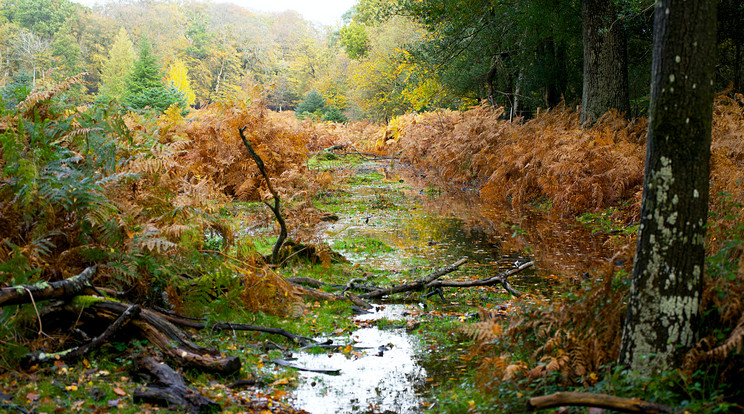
x: 368, y: 383
x: 403, y: 219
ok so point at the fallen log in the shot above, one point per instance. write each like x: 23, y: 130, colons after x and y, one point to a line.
x: 625, y: 405
x: 81, y: 350
x: 67, y: 288
x: 169, y: 389
x: 160, y: 332
x: 417, y: 284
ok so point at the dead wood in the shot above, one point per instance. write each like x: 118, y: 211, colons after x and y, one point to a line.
x: 288, y: 364
x: 357, y: 300
x: 625, y: 405
x: 500, y: 279
x: 169, y: 389
x: 199, y: 325
x: 308, y: 281
x: 276, y: 209
x: 67, y: 288
x: 415, y: 285
x: 81, y: 350
x: 168, y: 338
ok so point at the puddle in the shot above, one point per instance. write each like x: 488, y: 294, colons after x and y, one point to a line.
x: 368, y: 383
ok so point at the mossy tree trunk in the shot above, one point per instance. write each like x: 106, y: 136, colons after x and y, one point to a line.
x: 605, y: 83
x: 664, y: 307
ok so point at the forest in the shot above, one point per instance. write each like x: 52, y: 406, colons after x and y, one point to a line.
x: 494, y: 206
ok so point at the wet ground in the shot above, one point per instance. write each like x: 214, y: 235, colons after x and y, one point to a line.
x: 378, y: 372
x: 383, y: 370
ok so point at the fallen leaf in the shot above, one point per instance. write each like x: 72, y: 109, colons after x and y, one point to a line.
x: 119, y: 391
x: 280, y: 381
x: 32, y: 396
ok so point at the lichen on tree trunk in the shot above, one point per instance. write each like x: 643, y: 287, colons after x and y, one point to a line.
x: 664, y: 307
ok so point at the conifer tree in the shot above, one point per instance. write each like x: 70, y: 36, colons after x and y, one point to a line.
x: 118, y: 67
x: 146, y: 71
x: 145, y: 85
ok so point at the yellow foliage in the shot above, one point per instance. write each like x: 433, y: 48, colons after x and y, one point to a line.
x: 178, y: 76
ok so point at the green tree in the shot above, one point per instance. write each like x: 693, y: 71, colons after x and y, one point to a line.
x: 67, y: 53
x: 118, y: 67
x: 663, y: 314
x: 44, y: 17
x: 355, y: 40
x: 312, y: 105
x: 145, y: 86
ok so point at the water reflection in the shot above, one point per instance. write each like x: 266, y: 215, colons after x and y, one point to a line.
x: 372, y: 380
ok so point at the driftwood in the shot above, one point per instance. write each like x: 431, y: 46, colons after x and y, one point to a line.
x: 67, y: 288
x: 625, y: 405
x: 168, y: 338
x: 81, y: 350
x: 169, y: 389
x: 417, y: 284
x: 276, y: 207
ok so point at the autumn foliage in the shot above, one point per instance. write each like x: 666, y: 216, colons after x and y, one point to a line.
x: 553, y: 160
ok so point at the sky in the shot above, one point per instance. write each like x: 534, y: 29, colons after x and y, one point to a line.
x: 327, y: 12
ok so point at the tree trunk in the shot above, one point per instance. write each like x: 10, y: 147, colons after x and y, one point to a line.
x: 737, y: 69
x: 605, y: 61
x: 664, y: 306
x: 550, y: 60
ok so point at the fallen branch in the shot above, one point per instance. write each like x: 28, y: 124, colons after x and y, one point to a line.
x: 170, y: 390
x: 415, y: 285
x: 67, y: 288
x: 500, y: 278
x: 276, y: 208
x: 199, y: 325
x: 288, y: 364
x: 81, y: 350
x: 163, y: 334
x: 625, y: 405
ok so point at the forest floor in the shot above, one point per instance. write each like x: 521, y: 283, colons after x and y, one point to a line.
x: 391, y: 230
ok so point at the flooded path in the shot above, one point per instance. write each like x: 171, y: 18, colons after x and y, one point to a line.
x: 381, y: 369
x: 377, y: 376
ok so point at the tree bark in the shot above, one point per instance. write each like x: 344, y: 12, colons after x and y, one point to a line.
x: 169, y: 339
x: 67, y: 288
x: 583, y: 399
x: 170, y: 390
x: 664, y: 307
x: 605, y: 61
